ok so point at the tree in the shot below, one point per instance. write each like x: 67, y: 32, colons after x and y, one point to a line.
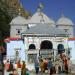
x: 4, y: 21
x: 4, y: 24
x: 6, y: 15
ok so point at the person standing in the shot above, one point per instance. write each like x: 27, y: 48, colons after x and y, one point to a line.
x: 66, y: 64
x: 6, y: 67
x: 50, y: 66
x: 19, y: 67
x: 69, y: 65
x: 57, y: 66
x: 36, y: 64
x: 42, y: 65
x: 23, y: 68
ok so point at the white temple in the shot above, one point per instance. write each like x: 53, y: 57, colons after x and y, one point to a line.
x: 42, y: 36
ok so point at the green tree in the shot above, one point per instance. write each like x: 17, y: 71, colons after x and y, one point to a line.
x: 6, y: 15
x: 4, y: 21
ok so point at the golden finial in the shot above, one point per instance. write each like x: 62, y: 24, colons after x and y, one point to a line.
x: 40, y: 7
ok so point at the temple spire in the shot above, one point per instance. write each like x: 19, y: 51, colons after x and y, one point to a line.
x: 40, y: 7
x: 62, y: 14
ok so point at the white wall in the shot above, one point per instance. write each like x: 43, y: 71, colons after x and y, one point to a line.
x: 11, y: 49
x: 72, y: 45
x: 14, y: 30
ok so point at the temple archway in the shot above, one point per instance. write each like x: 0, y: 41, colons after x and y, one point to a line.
x: 32, y: 46
x: 46, y: 45
x: 60, y: 48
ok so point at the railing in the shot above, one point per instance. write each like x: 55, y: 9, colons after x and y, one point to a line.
x: 46, y: 51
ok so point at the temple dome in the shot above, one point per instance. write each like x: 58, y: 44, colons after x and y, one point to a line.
x: 64, y: 21
x: 19, y: 20
x: 40, y: 17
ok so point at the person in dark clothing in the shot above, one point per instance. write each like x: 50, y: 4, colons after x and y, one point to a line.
x: 50, y: 66
x: 36, y: 64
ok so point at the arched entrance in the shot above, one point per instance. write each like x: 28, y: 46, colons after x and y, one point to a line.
x: 60, y: 48
x: 46, y: 45
x: 32, y: 56
x: 46, y: 49
x: 32, y: 46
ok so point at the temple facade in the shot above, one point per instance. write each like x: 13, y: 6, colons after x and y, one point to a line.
x: 42, y: 37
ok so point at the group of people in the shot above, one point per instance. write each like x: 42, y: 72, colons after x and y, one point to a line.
x: 61, y: 64
x: 17, y: 68
x: 43, y: 65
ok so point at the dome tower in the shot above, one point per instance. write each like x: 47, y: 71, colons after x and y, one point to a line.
x: 40, y: 18
x: 18, y: 25
x: 66, y: 24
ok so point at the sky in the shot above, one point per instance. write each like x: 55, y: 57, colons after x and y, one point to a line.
x: 52, y: 8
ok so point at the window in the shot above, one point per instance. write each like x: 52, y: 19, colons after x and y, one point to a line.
x: 32, y: 46
x: 65, y: 30
x: 18, y: 31
x: 60, y: 48
x: 56, y: 25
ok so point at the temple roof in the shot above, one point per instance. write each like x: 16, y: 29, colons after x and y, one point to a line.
x: 40, y: 17
x: 45, y: 30
x: 64, y: 21
x: 19, y: 20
